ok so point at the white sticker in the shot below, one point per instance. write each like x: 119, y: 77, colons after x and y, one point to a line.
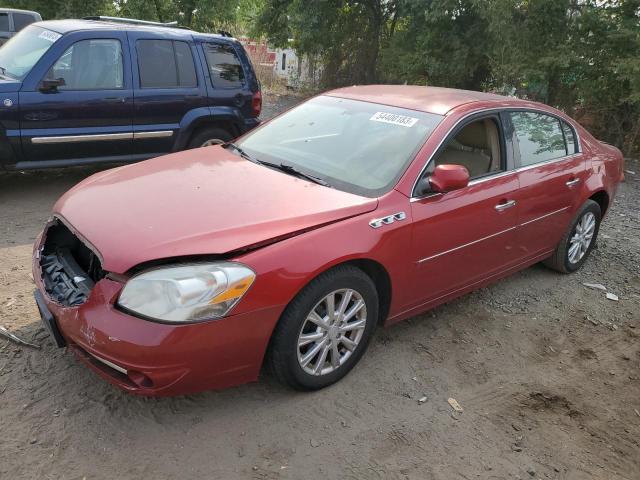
x: 49, y: 35
x: 394, y: 119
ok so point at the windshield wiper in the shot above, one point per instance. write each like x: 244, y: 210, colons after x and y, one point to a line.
x: 242, y: 153
x: 3, y: 72
x: 283, y: 167
x: 293, y: 170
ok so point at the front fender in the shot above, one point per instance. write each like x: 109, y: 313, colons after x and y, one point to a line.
x: 198, y: 117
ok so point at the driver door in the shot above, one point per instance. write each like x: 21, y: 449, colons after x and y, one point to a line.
x: 89, y: 117
x: 465, y: 236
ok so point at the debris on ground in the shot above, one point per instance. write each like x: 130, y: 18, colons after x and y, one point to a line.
x: 455, y: 405
x: 596, y: 286
x: 612, y: 296
x: 6, y: 333
x: 422, y: 399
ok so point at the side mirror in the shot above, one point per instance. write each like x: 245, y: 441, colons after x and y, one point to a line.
x: 50, y: 86
x: 446, y: 178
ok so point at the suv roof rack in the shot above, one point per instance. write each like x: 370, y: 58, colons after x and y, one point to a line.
x: 132, y: 21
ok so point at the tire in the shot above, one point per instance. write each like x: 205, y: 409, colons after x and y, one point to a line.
x: 209, y: 136
x: 562, y: 260
x: 286, y: 358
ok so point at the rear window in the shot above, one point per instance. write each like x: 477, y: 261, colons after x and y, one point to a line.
x: 165, y: 64
x: 539, y: 137
x: 4, y: 22
x: 224, y: 66
x: 21, y: 20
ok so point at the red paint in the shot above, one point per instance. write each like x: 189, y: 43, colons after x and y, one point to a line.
x: 446, y: 178
x: 208, y: 201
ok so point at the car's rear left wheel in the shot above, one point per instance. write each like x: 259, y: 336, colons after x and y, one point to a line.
x: 325, y: 330
x: 578, y: 241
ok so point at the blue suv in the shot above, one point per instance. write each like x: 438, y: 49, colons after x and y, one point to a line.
x: 75, y: 92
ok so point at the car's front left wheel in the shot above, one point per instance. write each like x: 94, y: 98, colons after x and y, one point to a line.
x: 325, y: 329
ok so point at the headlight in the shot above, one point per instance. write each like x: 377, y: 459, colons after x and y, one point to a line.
x: 187, y: 293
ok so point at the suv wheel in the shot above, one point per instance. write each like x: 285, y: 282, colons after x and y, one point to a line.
x: 209, y: 136
x: 325, y: 330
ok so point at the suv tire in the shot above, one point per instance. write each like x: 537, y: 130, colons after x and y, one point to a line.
x: 209, y: 136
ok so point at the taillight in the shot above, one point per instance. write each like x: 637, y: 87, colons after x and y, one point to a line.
x: 256, y: 103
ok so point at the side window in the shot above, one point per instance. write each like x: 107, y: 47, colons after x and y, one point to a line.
x: 224, y: 66
x: 539, y: 137
x: 90, y: 65
x: 165, y: 64
x: 476, y: 147
x: 570, y: 138
x: 21, y: 20
x: 4, y: 22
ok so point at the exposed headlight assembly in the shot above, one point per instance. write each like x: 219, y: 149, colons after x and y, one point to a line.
x: 187, y: 293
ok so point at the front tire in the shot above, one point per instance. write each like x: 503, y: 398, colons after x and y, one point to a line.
x: 578, y: 242
x: 325, y: 329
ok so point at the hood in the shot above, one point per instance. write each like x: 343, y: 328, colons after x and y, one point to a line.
x: 7, y: 85
x: 197, y: 202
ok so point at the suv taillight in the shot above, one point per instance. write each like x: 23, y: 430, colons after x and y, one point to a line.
x: 256, y: 103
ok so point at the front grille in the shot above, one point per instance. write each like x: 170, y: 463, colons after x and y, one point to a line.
x: 69, y: 268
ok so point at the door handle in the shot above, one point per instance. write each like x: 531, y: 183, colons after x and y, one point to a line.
x: 505, y: 205
x: 573, y: 183
x: 115, y: 99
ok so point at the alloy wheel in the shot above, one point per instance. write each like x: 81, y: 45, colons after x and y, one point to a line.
x: 581, y: 237
x: 331, y: 332
x: 212, y: 141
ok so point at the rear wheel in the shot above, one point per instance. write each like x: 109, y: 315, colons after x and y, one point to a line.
x: 209, y: 136
x: 325, y: 330
x: 577, y: 243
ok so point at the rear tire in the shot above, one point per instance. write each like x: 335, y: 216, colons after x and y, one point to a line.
x: 573, y: 250
x: 339, y: 339
x: 209, y: 136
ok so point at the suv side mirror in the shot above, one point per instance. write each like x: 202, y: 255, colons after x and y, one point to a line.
x: 446, y: 178
x: 50, y: 86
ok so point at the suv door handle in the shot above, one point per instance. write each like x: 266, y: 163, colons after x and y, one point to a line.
x: 573, y: 183
x: 504, y: 205
x: 115, y: 99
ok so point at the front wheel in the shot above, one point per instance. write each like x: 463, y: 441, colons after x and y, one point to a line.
x: 209, y: 136
x: 325, y: 330
x: 577, y: 243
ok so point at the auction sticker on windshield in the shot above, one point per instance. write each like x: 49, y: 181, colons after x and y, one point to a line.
x: 49, y: 35
x: 401, y: 120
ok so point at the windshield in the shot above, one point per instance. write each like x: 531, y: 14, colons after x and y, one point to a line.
x: 20, y: 53
x: 359, y: 147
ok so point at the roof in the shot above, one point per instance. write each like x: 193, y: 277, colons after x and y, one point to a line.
x: 17, y: 10
x: 427, y: 99
x: 67, y: 26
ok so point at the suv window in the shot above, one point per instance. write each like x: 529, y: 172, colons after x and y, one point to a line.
x: 224, y: 66
x: 94, y: 64
x: 476, y: 147
x: 165, y: 64
x: 4, y: 22
x: 539, y: 137
x: 21, y: 20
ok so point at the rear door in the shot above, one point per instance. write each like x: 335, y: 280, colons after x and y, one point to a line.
x: 169, y: 90
x: 551, y: 172
x: 89, y: 117
x: 229, y: 81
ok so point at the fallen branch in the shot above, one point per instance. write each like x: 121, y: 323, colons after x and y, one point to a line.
x: 6, y: 333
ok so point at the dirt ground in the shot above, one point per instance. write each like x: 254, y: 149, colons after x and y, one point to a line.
x: 546, y: 370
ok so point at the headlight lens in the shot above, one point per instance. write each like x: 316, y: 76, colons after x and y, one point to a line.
x: 187, y: 293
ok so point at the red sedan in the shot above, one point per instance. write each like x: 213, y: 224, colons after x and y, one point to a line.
x: 360, y: 207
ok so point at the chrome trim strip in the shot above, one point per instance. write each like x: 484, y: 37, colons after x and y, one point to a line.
x: 156, y: 134
x: 465, y: 245
x: 543, y: 216
x: 498, y: 110
x: 108, y: 363
x: 83, y: 138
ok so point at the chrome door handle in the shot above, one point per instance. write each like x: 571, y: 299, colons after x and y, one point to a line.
x: 573, y: 183
x: 503, y: 206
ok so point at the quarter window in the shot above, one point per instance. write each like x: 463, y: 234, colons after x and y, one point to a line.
x: 165, y: 64
x: 570, y: 138
x: 90, y: 65
x: 224, y: 66
x: 4, y: 22
x: 539, y: 137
